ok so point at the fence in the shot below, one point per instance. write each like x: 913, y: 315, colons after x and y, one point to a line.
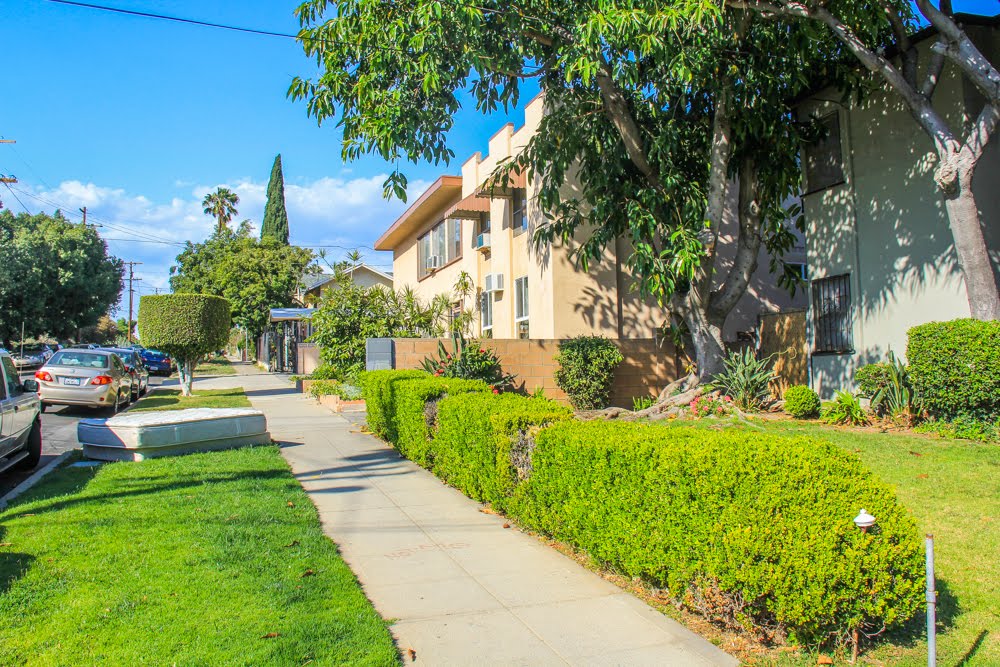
x: 648, y: 367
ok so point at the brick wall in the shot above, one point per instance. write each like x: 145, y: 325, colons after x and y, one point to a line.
x: 649, y: 365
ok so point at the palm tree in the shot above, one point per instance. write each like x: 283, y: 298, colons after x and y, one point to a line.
x: 221, y: 205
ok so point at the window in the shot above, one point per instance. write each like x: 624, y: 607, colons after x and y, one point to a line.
x: 831, y: 301
x: 486, y: 313
x: 12, y: 379
x: 801, y: 269
x: 484, y: 223
x: 521, y: 306
x: 518, y: 211
x: 443, y: 241
x: 824, y: 163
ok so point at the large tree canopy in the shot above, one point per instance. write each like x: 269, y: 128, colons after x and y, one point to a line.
x: 55, y: 276
x: 656, y: 109
x: 253, y: 275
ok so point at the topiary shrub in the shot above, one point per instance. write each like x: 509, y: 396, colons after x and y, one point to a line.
x: 587, y: 370
x: 802, y: 402
x: 415, y: 412
x: 954, y: 368
x: 185, y: 326
x: 380, y: 405
x: 751, y: 529
x: 483, y: 441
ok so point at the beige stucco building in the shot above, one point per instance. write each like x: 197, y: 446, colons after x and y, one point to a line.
x: 460, y: 225
x: 880, y: 252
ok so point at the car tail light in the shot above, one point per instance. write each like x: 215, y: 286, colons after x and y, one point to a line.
x: 102, y: 379
x: 44, y: 376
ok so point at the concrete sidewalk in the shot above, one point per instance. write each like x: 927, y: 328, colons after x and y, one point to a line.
x: 461, y: 589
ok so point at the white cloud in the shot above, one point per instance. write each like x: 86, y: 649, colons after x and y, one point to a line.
x: 332, y: 211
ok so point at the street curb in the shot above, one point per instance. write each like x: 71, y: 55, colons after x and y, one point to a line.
x: 34, y: 479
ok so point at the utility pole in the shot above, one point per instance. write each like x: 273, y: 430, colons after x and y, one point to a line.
x: 131, y: 279
x: 84, y: 211
x: 7, y: 180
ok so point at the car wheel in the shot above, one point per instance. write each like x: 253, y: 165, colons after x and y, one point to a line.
x: 34, y: 446
x: 115, y: 404
x: 42, y: 407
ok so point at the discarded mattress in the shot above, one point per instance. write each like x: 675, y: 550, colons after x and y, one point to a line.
x: 142, y: 435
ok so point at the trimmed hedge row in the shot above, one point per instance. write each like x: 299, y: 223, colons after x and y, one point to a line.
x: 377, y: 387
x: 747, y: 528
x: 414, y: 417
x: 752, y: 530
x: 477, y: 435
x: 954, y: 368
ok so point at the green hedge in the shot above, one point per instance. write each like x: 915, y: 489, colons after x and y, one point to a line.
x: 186, y: 326
x: 412, y: 434
x: 377, y: 387
x: 730, y: 517
x: 475, y: 435
x: 954, y: 368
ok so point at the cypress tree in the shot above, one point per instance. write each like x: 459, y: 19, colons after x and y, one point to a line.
x: 275, y: 217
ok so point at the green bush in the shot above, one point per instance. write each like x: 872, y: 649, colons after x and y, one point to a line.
x: 477, y: 435
x: 870, y: 378
x: 325, y: 372
x: 752, y: 529
x: 802, y: 402
x: 845, y: 408
x: 746, y: 379
x: 415, y: 413
x: 345, y: 391
x: 587, y: 370
x: 185, y: 326
x: 380, y: 405
x: 954, y: 368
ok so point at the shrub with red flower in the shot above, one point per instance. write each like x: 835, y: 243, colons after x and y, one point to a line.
x: 710, y: 405
x: 469, y: 362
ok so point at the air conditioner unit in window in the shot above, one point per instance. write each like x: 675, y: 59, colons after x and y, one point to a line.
x: 483, y: 241
x: 434, y: 262
x: 494, y: 283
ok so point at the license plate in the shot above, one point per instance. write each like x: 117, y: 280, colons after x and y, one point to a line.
x: 72, y: 381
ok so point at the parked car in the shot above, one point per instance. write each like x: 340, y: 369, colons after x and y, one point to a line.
x: 20, y: 418
x: 158, y: 363
x: 90, y: 378
x: 30, y: 356
x: 135, y: 367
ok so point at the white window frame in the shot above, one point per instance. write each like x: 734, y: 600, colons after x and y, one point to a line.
x: 521, y: 302
x: 486, y: 308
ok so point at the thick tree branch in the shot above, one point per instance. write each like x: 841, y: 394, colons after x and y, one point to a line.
x: 980, y: 133
x: 720, y: 153
x: 963, y: 52
x: 747, y: 246
x: 907, y: 52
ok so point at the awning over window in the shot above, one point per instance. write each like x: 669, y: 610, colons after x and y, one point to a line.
x: 472, y: 207
x: 491, y: 190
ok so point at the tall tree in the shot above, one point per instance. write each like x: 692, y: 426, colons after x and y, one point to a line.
x: 275, y: 223
x: 253, y: 275
x: 55, y: 276
x: 869, y: 30
x: 656, y: 116
x: 221, y: 205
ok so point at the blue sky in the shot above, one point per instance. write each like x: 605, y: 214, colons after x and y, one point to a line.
x: 136, y: 119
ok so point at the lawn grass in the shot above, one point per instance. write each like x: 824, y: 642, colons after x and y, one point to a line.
x: 952, y: 489
x: 171, y: 399
x: 207, y: 559
x: 214, y: 366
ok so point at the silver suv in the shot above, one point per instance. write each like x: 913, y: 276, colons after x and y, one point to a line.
x: 20, y: 418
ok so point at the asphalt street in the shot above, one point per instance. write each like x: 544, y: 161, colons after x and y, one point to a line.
x: 58, y: 435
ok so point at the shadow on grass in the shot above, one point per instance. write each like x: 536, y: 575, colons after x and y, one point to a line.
x: 171, y: 399
x: 914, y: 631
x: 13, y: 565
x: 974, y: 649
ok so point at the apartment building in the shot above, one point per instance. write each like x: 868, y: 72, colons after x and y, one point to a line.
x: 467, y: 226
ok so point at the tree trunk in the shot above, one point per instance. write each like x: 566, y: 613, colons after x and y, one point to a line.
x: 704, y: 336
x: 970, y: 247
x: 185, y: 369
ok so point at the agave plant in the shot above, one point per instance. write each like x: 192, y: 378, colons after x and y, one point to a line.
x: 470, y: 361
x: 746, y: 379
x: 895, y: 396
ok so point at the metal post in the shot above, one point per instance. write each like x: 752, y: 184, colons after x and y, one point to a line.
x: 931, y: 605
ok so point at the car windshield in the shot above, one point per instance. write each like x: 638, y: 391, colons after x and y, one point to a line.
x: 79, y: 359
x: 32, y: 349
x: 153, y: 354
x: 125, y: 356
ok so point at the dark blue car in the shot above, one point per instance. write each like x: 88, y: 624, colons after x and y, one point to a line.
x: 158, y: 363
